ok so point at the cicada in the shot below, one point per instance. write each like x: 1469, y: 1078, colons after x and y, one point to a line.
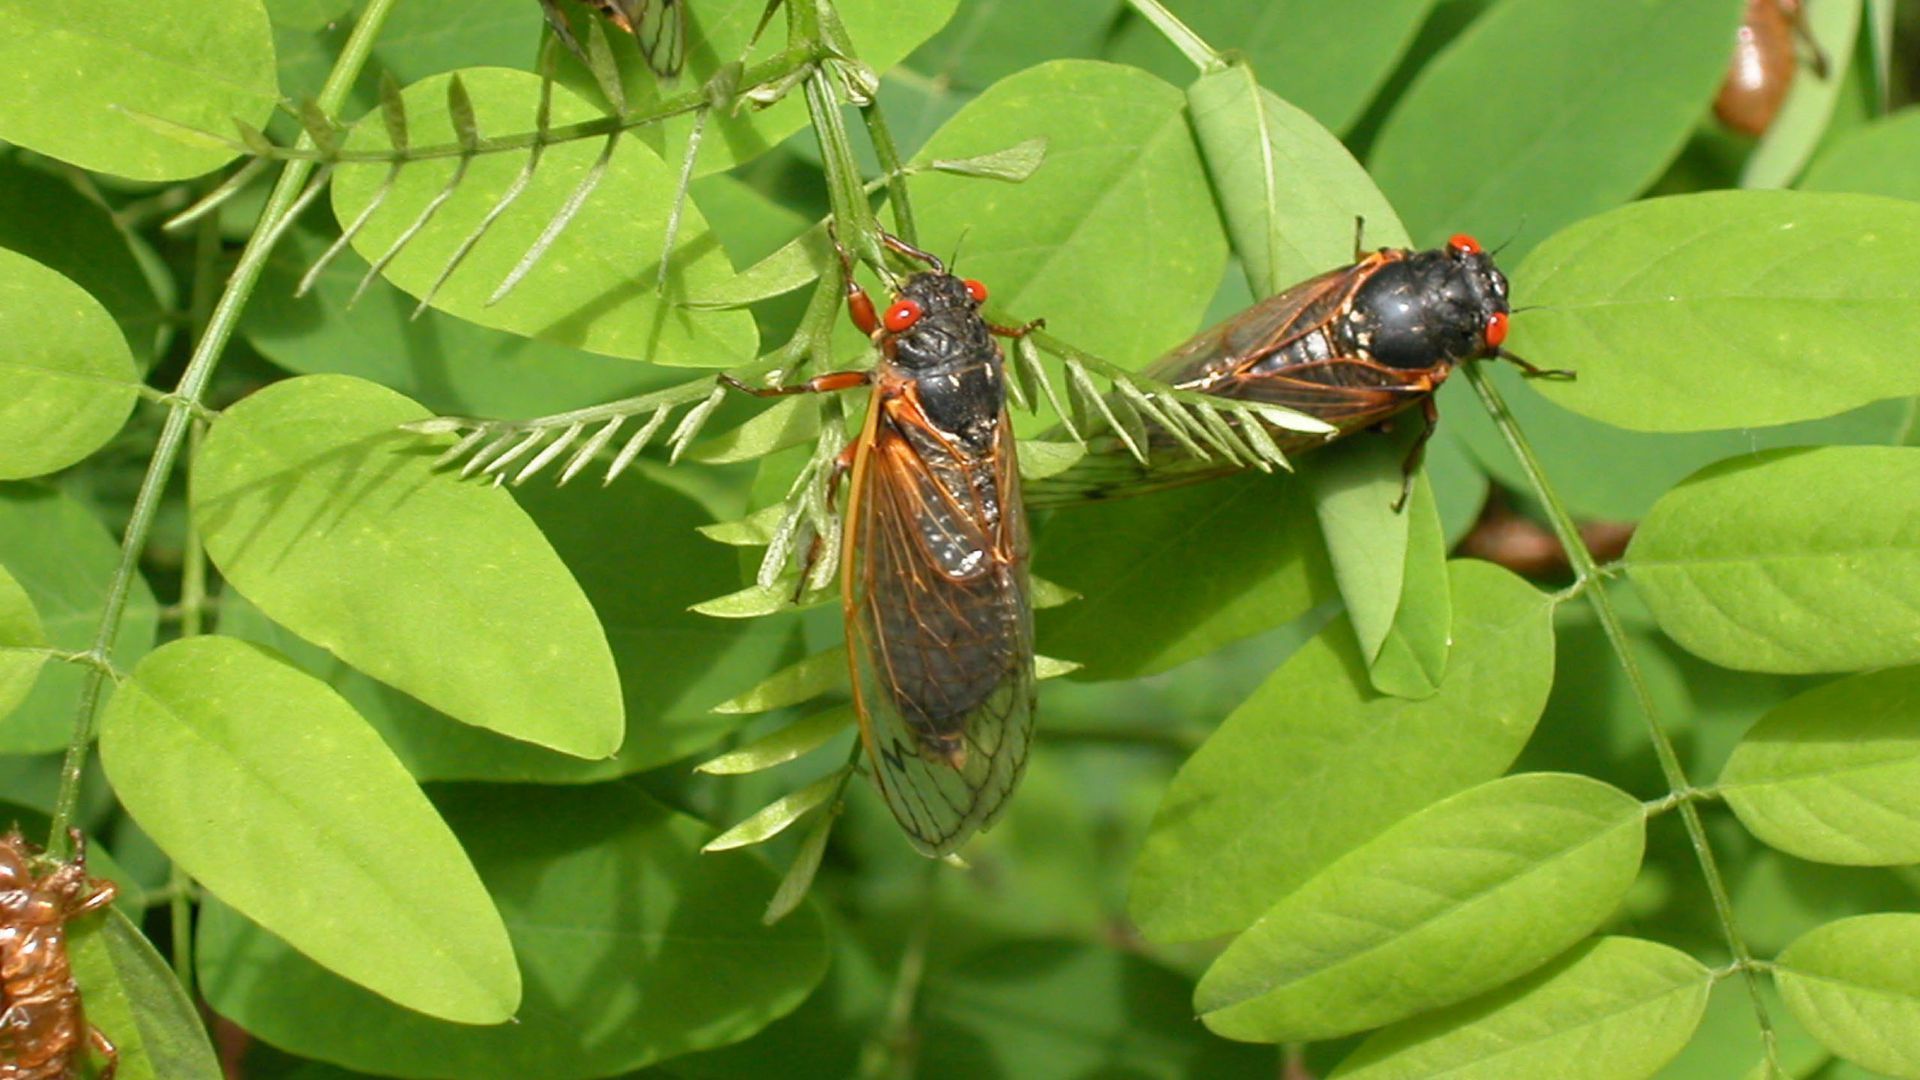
x: 1765, y: 60
x: 660, y: 26
x: 1354, y: 347
x: 42, y: 1025
x: 933, y: 568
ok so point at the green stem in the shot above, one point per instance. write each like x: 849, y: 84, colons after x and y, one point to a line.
x: 852, y: 214
x: 1180, y: 36
x: 180, y: 417
x: 1671, y: 769
x: 889, y: 155
x: 766, y: 72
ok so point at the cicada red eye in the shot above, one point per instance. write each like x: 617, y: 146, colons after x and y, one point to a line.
x: 1462, y: 244
x: 977, y: 291
x: 901, y: 316
x: 1497, y: 329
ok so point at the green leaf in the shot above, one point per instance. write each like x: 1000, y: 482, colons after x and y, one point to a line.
x: 1834, y: 774
x: 1541, y: 114
x: 1729, y: 1037
x: 1854, y: 985
x: 198, y: 748
x: 317, y: 508
x: 1789, y: 560
x: 636, y: 947
x: 774, y: 818
x: 450, y: 365
x: 779, y: 747
x: 68, y: 382
x: 1727, y: 309
x: 1161, y: 599
x: 1613, y: 1008
x: 132, y: 996
x: 1314, y: 764
x: 1465, y: 895
x: 1797, y: 129
x: 1288, y: 190
x: 76, y: 83
x: 52, y: 223
x: 1391, y: 564
x: 1056, y: 1008
x: 1122, y: 186
x: 801, y: 681
x: 594, y: 288
x: 1873, y: 160
x: 64, y: 558
x: 1328, y: 59
x: 22, y: 640
x: 1413, y: 656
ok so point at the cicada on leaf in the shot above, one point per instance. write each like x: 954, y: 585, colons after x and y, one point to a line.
x: 1354, y: 347
x: 934, y: 584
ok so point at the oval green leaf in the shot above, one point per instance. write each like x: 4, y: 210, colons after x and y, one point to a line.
x: 1288, y: 189
x: 68, y: 382
x: 636, y: 948
x: 200, y: 750
x: 1122, y: 186
x: 1544, y: 112
x: 116, y: 86
x: 50, y: 221
x: 594, y: 288
x: 1727, y: 309
x: 22, y: 641
x: 1789, y: 560
x: 1391, y: 564
x: 132, y: 996
x: 317, y: 508
x: 1467, y: 894
x: 65, y: 560
x: 1833, y: 775
x: 1874, y: 160
x: 1613, y: 1009
x: 1314, y: 764
x: 1854, y: 984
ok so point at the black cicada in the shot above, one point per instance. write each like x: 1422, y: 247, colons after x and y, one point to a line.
x: 934, y: 560
x: 1353, y: 347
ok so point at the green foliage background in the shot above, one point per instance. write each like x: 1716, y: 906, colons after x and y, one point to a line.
x: 388, y: 755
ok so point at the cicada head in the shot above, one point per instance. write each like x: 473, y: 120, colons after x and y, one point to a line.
x: 934, y: 322
x: 1432, y: 308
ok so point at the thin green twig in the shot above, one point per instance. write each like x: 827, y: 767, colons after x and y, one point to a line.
x: 1180, y: 36
x: 896, y: 175
x: 181, y: 416
x: 1670, y: 767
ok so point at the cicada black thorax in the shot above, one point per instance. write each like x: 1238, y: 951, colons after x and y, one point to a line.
x: 951, y: 368
x: 1426, y: 310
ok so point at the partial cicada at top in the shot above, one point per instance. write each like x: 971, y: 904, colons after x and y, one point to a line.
x: 660, y: 26
x: 43, y: 1028
x: 934, y: 584
x: 1353, y: 347
x: 1766, y: 57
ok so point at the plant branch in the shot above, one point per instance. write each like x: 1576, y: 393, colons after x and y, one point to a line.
x: 1671, y: 769
x: 896, y: 174
x: 181, y: 415
x: 1180, y: 36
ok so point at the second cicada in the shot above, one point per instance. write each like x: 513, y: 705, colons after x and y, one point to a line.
x: 934, y: 559
x: 43, y: 1026
x: 1353, y: 347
